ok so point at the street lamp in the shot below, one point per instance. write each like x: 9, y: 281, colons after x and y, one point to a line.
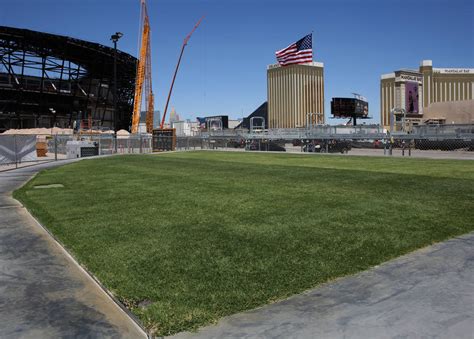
x: 115, y: 38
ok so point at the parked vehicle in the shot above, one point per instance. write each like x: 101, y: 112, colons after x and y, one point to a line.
x: 366, y: 144
x: 264, y: 145
x: 329, y: 146
x: 236, y: 143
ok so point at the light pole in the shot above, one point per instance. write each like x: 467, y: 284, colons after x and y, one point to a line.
x: 115, y: 37
x: 53, y: 112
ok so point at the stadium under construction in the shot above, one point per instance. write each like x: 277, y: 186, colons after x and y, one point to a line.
x: 49, y: 80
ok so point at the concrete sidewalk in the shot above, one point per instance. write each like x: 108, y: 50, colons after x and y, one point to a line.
x: 426, y: 294
x: 43, y: 293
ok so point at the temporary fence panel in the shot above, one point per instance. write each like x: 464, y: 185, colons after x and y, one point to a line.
x: 17, y: 149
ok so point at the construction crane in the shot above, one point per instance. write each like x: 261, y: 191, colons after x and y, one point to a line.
x: 143, y: 84
x: 185, y: 42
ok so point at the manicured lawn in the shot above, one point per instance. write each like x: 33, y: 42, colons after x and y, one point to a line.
x: 202, y: 235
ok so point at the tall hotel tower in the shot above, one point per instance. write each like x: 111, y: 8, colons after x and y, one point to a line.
x: 295, y: 95
x: 429, y: 93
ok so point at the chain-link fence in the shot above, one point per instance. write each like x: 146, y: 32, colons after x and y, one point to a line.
x: 388, y: 146
x: 448, y: 141
x: 439, y: 141
x: 19, y: 150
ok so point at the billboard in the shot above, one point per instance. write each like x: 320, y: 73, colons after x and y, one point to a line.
x: 411, y: 97
x: 349, y: 107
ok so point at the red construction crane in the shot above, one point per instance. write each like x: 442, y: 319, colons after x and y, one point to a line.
x: 143, y: 78
x: 185, y: 42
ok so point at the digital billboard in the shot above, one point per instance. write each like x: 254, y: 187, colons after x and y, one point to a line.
x: 349, y: 107
x: 411, y: 97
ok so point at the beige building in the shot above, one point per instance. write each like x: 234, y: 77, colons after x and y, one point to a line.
x: 428, y: 94
x: 295, y: 95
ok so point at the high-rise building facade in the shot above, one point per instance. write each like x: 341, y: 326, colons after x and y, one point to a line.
x: 418, y: 92
x: 156, y: 118
x: 295, y: 95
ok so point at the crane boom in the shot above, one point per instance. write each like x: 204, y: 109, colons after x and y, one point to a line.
x: 185, y: 42
x: 143, y: 77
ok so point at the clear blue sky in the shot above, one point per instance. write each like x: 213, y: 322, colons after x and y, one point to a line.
x: 224, y: 66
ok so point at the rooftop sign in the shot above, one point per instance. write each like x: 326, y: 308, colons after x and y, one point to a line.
x: 408, y: 77
x: 454, y: 70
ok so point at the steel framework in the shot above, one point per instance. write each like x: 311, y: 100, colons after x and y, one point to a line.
x: 50, y: 80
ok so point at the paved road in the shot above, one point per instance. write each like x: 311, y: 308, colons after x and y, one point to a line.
x: 426, y: 294
x: 429, y: 154
x: 43, y: 293
x: 397, y: 153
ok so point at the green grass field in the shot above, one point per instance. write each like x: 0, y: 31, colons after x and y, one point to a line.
x: 202, y: 235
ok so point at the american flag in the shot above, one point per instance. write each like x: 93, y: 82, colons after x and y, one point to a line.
x: 299, y: 52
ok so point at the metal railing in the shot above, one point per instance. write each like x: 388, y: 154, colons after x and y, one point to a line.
x: 445, y: 141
